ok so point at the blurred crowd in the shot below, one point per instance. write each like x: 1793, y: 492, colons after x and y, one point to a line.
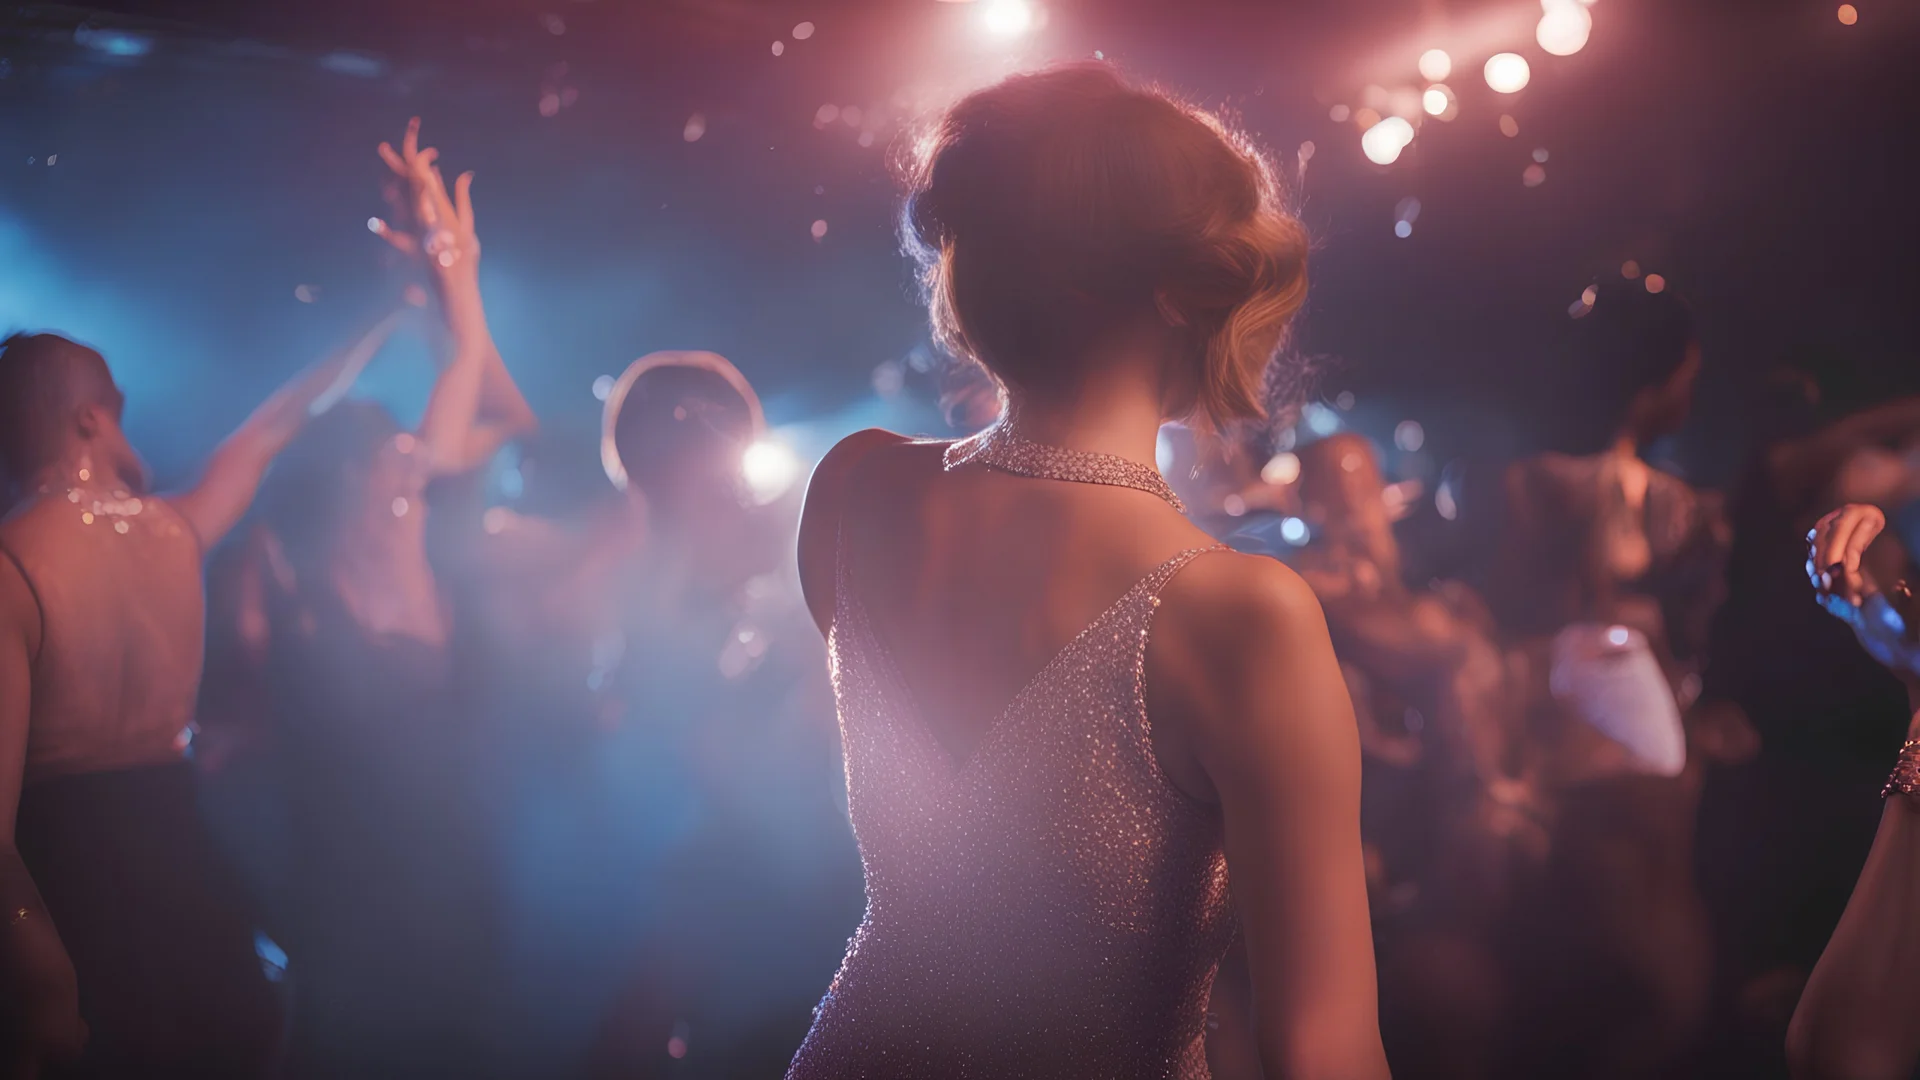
x: 1619, y: 764
x: 521, y: 795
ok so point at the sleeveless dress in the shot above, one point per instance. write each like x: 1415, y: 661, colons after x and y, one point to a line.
x: 1050, y: 905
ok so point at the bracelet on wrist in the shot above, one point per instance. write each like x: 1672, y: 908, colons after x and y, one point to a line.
x: 1905, y: 779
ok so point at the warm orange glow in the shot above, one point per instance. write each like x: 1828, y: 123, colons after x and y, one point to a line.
x: 1656, y: 283
x: 1509, y: 127
x: 1849, y: 14
x: 1629, y: 269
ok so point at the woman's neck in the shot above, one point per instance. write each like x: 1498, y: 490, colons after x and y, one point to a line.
x: 1119, y: 418
x: 79, y: 471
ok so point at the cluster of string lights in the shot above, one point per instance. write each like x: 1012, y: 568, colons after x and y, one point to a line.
x: 1389, y: 120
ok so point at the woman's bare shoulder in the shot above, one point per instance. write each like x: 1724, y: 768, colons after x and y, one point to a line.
x: 1229, y: 597
x: 1233, y: 630
x: 833, y: 482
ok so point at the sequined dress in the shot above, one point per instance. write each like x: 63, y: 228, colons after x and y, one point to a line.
x: 1049, y: 906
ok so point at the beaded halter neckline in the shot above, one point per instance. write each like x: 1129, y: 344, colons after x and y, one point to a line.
x: 999, y: 447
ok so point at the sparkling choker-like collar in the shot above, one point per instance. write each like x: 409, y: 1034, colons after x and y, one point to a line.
x: 999, y: 447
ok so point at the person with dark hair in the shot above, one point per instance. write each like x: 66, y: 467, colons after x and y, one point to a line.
x: 1057, y: 811
x: 1607, y: 572
x: 1447, y: 805
x: 113, y: 904
x: 387, y: 914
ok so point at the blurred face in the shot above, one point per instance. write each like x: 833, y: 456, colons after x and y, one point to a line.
x: 1663, y: 410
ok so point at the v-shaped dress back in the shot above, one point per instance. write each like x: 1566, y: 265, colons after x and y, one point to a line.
x: 1049, y: 905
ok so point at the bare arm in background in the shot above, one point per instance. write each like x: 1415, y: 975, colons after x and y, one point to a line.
x: 1242, y: 664
x: 39, y: 997
x: 477, y: 407
x: 234, y: 471
x: 1859, y: 1017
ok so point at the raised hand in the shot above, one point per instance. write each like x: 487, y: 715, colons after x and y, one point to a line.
x: 445, y: 223
x: 1885, y: 622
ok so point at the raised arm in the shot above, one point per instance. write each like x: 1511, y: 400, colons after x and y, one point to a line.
x: 233, y: 473
x: 39, y: 998
x: 1859, y: 1017
x: 1247, y: 675
x: 476, y: 407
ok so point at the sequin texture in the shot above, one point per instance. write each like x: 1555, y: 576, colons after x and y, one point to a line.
x: 1049, y: 906
x: 1000, y: 447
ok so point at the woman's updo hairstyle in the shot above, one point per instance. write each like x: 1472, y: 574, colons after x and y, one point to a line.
x: 1046, y: 208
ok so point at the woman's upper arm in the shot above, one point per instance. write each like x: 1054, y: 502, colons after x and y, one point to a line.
x: 820, y: 521
x: 1266, y: 714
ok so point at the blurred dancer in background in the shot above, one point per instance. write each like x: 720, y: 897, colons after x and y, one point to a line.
x: 1446, y: 806
x: 114, y: 904
x: 388, y: 911
x: 1608, y: 573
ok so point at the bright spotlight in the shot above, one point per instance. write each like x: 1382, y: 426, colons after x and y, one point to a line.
x: 1508, y: 73
x: 1435, y: 65
x: 1007, y: 18
x: 770, y: 469
x: 1383, y: 141
x: 1564, y: 28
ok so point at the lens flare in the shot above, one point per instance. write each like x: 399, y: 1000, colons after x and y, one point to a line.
x: 1007, y: 18
x: 770, y: 469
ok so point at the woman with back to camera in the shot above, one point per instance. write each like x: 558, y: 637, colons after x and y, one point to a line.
x: 1060, y: 815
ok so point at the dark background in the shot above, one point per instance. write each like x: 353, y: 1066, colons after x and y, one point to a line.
x: 165, y: 205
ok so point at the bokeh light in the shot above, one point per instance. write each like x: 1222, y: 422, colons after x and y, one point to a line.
x: 1436, y: 100
x: 602, y: 386
x: 1509, y: 127
x: 1294, y: 531
x: 1849, y: 15
x: 1630, y: 269
x: 1508, y: 73
x: 1534, y: 176
x: 1656, y: 283
x: 1282, y: 468
x: 803, y: 31
x: 1383, y: 141
x: 1409, y: 435
x: 1339, y: 113
x: 1563, y: 30
x: 1435, y: 65
x: 1403, y: 229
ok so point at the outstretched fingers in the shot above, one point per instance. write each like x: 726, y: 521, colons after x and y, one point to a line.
x: 1836, y: 546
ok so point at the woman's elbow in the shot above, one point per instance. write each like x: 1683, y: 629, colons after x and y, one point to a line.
x: 1328, y: 1056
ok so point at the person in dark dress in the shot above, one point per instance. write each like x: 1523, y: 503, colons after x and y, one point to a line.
x: 387, y: 912
x: 114, y: 904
